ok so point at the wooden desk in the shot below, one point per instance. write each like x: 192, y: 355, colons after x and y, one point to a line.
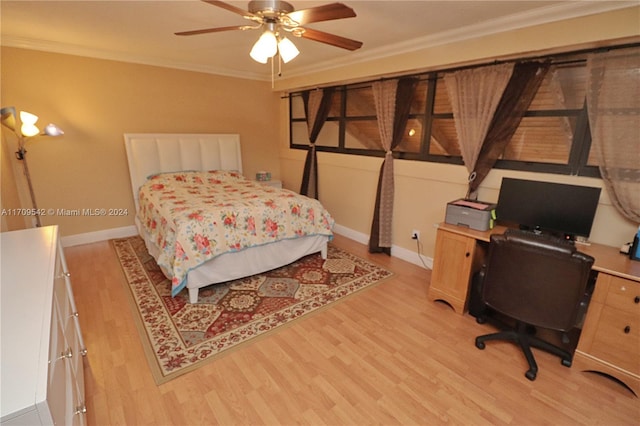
x: 610, y: 338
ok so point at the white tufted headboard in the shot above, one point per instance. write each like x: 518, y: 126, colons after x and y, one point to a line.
x: 149, y: 153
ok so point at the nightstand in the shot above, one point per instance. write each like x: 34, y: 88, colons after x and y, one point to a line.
x: 272, y: 183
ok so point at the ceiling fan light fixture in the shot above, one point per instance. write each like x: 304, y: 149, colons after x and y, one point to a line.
x: 275, y: 17
x: 287, y: 50
x: 266, y: 47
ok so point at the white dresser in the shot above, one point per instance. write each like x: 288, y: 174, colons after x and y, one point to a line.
x: 41, y: 363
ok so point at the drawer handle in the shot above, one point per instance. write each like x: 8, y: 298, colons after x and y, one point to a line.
x: 467, y: 254
x: 81, y: 409
x: 627, y: 329
x: 66, y: 354
x: 637, y: 299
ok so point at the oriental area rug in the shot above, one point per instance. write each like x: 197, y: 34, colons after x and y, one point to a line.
x: 179, y: 336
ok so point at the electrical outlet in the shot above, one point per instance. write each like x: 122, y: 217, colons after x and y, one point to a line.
x: 415, y: 234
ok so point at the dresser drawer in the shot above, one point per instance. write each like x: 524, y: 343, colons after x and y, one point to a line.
x: 71, y: 304
x: 58, y: 369
x: 617, y: 339
x: 77, y: 416
x: 61, y: 298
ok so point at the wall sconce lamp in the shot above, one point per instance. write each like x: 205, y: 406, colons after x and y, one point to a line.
x: 28, y: 129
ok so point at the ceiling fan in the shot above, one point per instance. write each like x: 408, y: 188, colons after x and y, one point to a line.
x: 277, y: 18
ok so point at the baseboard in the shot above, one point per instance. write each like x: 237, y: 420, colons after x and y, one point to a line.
x: 412, y: 257
x: 351, y: 234
x: 128, y: 231
x: 396, y: 251
x: 94, y: 237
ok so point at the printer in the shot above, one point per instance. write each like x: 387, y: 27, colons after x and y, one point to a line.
x: 473, y: 214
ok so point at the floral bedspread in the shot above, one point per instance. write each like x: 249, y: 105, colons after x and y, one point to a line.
x: 196, y: 216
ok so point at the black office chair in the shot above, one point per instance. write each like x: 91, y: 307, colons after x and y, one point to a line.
x: 538, y: 281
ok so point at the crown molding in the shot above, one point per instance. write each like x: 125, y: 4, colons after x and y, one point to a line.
x: 549, y: 14
x: 540, y: 16
x: 76, y: 50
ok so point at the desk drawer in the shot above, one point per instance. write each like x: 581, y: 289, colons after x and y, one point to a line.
x: 624, y: 295
x: 617, y: 339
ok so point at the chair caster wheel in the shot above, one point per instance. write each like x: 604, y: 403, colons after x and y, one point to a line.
x: 480, y: 345
x: 566, y: 362
x: 481, y: 320
x: 531, y: 375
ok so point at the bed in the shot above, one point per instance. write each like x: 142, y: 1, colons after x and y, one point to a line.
x: 216, y: 159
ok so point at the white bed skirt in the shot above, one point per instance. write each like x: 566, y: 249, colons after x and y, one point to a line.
x: 255, y: 260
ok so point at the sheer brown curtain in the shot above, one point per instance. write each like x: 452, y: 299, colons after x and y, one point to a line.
x: 474, y: 94
x: 317, y: 104
x: 520, y: 91
x: 613, y: 103
x: 393, y: 103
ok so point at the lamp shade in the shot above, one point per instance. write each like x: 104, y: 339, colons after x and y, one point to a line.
x: 53, y: 130
x: 287, y: 50
x: 8, y: 115
x: 28, y: 127
x: 266, y: 47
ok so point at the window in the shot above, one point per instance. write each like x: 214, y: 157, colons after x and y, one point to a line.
x: 329, y: 135
x: 361, y: 125
x: 553, y: 136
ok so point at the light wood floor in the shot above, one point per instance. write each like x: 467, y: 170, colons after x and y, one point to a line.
x: 383, y: 356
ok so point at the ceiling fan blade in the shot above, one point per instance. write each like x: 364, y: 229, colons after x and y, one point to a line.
x: 326, y: 12
x: 230, y: 8
x: 210, y: 30
x: 331, y: 39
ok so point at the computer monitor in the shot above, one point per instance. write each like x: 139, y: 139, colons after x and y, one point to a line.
x: 560, y: 209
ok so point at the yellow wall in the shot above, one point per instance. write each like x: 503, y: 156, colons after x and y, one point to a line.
x: 97, y: 101
x: 9, y: 197
x: 348, y: 183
